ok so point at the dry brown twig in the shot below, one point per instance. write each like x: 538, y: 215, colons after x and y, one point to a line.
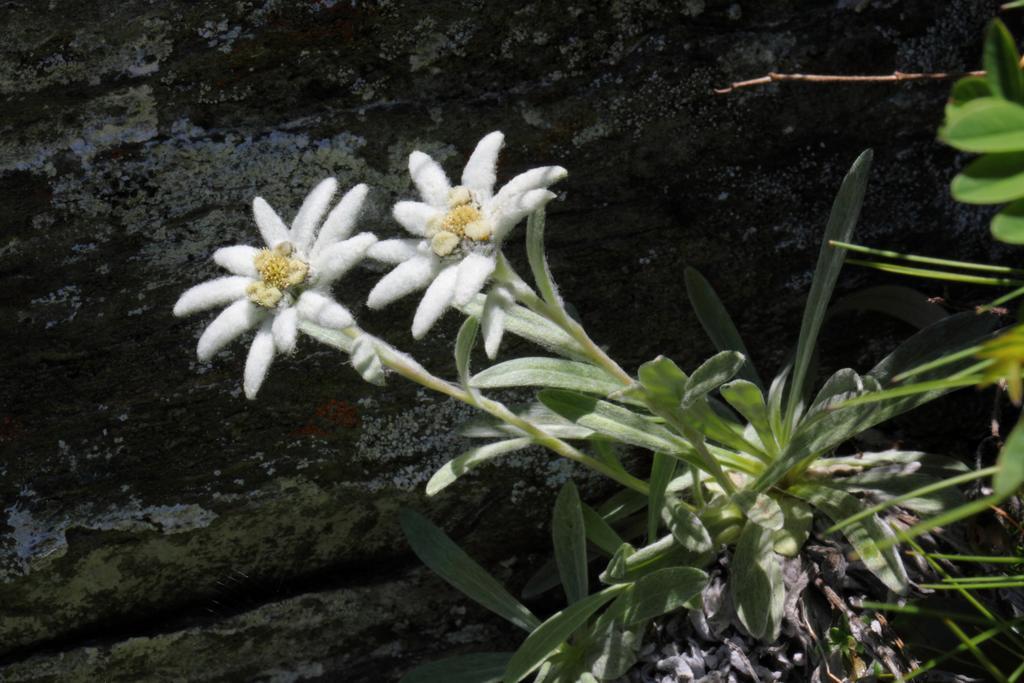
x: 894, y: 77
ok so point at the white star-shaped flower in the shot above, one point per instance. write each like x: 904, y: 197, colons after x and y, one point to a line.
x: 290, y: 279
x: 459, y: 233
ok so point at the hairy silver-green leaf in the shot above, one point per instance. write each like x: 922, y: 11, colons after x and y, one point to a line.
x: 547, y: 637
x: 712, y: 373
x: 755, y: 583
x: 569, y: 538
x: 716, y: 321
x: 614, y: 421
x: 687, y: 528
x: 841, y: 223
x: 479, y: 667
x: 865, y: 535
x: 547, y: 372
x: 452, y: 564
x: 662, y: 470
x: 471, y: 459
x: 760, y: 508
x: 796, y: 528
x: 659, y: 593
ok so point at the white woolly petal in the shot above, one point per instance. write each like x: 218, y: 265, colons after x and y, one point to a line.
x: 237, y: 260
x: 405, y: 278
x: 272, y: 228
x: 311, y: 213
x: 430, y: 179
x: 323, y: 310
x: 492, y: 323
x: 210, y: 294
x: 517, y: 208
x: 413, y: 216
x: 234, y: 320
x: 534, y: 179
x: 435, y: 301
x: 335, y: 260
x: 261, y: 355
x: 473, y: 273
x: 342, y: 218
x: 393, y: 251
x: 481, y: 169
x: 286, y: 329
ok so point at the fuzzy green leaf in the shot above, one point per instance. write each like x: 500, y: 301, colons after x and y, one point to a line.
x: 464, y: 347
x: 865, y: 535
x: 796, y: 528
x: 659, y: 593
x: 662, y: 469
x: 756, y: 584
x: 612, y: 420
x: 687, y: 529
x: 570, y: 542
x: 841, y: 224
x: 524, y: 323
x: 663, y: 381
x: 760, y: 508
x: 547, y: 637
x: 599, y: 532
x: 479, y: 667
x: 748, y: 401
x: 902, y: 303
x: 547, y: 372
x: 712, y: 373
x: 452, y: 564
x: 716, y: 321
x: 471, y: 459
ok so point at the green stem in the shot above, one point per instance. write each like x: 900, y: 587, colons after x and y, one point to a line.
x: 407, y: 367
x: 914, y: 258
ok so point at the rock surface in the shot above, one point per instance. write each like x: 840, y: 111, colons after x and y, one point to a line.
x: 133, y: 136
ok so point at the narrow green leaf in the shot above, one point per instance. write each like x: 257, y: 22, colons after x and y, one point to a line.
x: 662, y: 469
x: 888, y: 483
x: 841, y: 223
x: 622, y: 505
x: 712, y: 373
x: 471, y: 459
x: 570, y: 542
x: 799, y: 518
x: 755, y: 583
x: 599, y: 532
x: 1010, y: 477
x: 991, y: 179
x: 629, y: 564
x: 479, y: 667
x: 464, y: 347
x: 902, y: 303
x: 547, y: 637
x: 547, y: 372
x: 865, y: 536
x: 524, y: 323
x: 538, y: 260
x: 658, y: 593
x: 452, y: 564
x: 748, y: 401
x: 687, y: 529
x: 1002, y: 63
x: 1008, y: 224
x: 944, y: 337
x: 986, y: 125
x: 612, y: 420
x: 717, y: 322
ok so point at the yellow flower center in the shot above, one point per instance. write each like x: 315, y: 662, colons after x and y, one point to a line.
x: 456, y: 220
x: 277, y: 271
x: 463, y: 221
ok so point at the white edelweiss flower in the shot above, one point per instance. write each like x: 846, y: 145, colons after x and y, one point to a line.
x: 459, y: 231
x: 289, y: 280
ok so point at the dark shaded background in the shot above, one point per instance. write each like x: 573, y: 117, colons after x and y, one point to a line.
x: 153, y: 523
